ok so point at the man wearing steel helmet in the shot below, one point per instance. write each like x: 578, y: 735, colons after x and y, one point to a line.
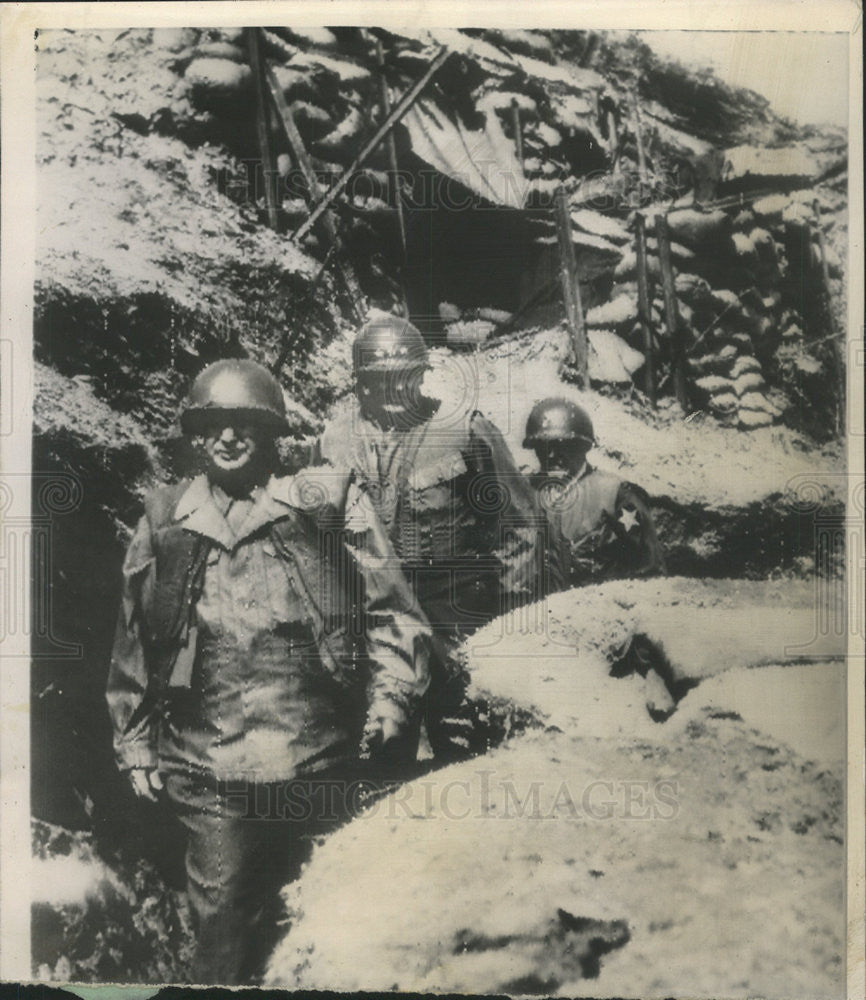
x: 238, y: 683
x: 459, y: 514
x: 602, y: 525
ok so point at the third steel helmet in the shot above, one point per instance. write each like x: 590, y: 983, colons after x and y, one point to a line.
x: 240, y: 386
x: 387, y: 344
x: 558, y: 420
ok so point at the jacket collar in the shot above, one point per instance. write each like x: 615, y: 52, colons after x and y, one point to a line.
x: 198, y: 511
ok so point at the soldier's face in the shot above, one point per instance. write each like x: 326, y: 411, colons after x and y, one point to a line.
x: 560, y: 457
x: 231, y: 447
x: 392, y: 394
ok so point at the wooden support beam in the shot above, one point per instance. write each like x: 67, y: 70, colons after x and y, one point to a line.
x: 672, y: 312
x: 517, y: 129
x: 839, y: 372
x: 299, y: 150
x: 302, y: 158
x: 268, y: 166
x: 638, y: 138
x: 589, y: 48
x: 613, y: 141
x: 644, y: 309
x: 571, y: 287
x: 403, y: 105
x: 385, y: 108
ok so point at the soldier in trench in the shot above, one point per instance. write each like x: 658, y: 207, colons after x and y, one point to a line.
x: 238, y: 689
x: 459, y: 514
x: 602, y: 528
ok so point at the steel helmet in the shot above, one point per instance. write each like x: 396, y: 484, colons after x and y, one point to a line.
x: 558, y: 420
x: 240, y: 386
x: 386, y: 344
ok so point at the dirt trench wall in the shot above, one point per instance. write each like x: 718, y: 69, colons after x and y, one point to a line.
x: 607, y: 850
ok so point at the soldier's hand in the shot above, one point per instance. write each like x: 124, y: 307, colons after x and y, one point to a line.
x: 146, y: 782
x: 390, y: 731
x: 377, y: 737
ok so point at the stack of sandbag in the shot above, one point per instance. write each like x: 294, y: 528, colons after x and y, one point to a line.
x: 326, y: 82
x: 729, y: 381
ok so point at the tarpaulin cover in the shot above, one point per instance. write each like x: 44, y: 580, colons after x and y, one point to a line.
x: 483, y: 160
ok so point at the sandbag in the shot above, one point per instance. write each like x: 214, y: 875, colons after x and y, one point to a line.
x: 744, y: 364
x: 220, y: 76
x: 696, y: 229
x: 610, y: 358
x: 743, y: 342
x: 600, y: 225
x: 344, y: 138
x: 723, y: 404
x: 221, y: 50
x: 744, y: 220
x: 758, y: 401
x: 714, y: 384
x: 615, y: 313
x: 711, y: 364
x: 798, y: 214
x: 472, y: 332
x: 772, y: 206
x: 747, y: 382
x: 308, y: 114
x: 749, y: 419
x: 695, y: 290
x: 744, y: 249
x: 679, y: 253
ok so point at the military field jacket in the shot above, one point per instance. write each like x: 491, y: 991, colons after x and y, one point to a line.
x: 461, y: 517
x: 602, y: 528
x: 304, y: 608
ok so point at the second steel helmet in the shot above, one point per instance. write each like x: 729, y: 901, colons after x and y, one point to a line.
x: 387, y: 344
x: 557, y: 419
x: 240, y: 386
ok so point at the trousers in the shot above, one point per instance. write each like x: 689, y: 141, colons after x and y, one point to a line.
x: 245, y: 841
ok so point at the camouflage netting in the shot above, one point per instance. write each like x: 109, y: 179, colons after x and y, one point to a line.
x: 155, y: 257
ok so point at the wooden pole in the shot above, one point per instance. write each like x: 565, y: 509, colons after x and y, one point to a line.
x: 571, y: 287
x: 838, y: 358
x: 299, y: 150
x: 613, y: 141
x: 588, y: 53
x: 403, y: 105
x: 641, y: 154
x: 672, y: 313
x: 518, y: 131
x: 385, y: 108
x: 302, y: 158
x: 644, y: 315
x: 268, y: 169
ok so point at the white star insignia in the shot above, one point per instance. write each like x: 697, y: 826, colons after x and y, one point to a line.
x: 628, y: 519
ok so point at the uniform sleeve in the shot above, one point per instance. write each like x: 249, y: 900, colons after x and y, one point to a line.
x: 334, y: 445
x: 640, y: 553
x: 130, y: 704
x: 523, y: 527
x: 397, y: 633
